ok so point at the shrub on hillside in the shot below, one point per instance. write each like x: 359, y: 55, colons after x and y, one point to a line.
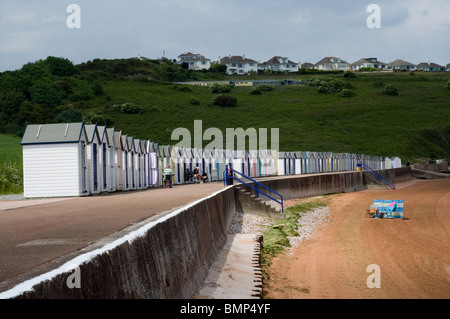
x: 255, y: 91
x: 194, y: 101
x: 347, y: 93
x: 323, y: 90
x: 448, y: 85
x: 224, y: 100
x: 349, y: 75
x: 265, y: 87
x: 221, y: 88
x: 390, y: 90
x: 128, y: 108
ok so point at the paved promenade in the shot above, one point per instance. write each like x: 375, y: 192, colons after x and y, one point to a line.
x: 38, y: 235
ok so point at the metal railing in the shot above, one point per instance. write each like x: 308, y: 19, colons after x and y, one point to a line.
x: 378, y: 177
x: 257, y: 186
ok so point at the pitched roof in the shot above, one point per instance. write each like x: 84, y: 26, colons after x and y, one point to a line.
x: 330, y: 60
x: 236, y: 59
x: 424, y: 65
x: 52, y: 133
x: 276, y: 60
x: 399, y: 62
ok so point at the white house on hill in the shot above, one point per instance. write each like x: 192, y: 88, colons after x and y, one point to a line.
x: 195, y: 61
x: 239, y: 65
x: 279, y: 63
x: 332, y: 64
x: 369, y: 63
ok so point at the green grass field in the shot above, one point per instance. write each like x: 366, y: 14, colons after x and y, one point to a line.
x: 11, y: 176
x: 413, y: 125
x: 10, y: 149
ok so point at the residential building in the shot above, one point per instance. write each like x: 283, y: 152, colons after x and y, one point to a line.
x: 430, y: 67
x: 332, y: 64
x: 195, y: 61
x: 239, y: 65
x: 401, y: 65
x: 368, y: 63
x: 307, y: 65
x: 279, y: 64
x: 448, y: 67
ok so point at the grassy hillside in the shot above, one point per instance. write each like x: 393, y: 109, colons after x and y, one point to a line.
x: 11, y: 176
x: 138, y: 97
x: 10, y: 149
x: 412, y: 125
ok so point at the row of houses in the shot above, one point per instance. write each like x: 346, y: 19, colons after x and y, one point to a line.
x: 243, y: 65
x: 75, y: 159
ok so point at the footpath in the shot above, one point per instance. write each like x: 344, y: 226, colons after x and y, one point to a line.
x: 37, y: 236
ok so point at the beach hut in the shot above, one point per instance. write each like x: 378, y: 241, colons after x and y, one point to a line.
x: 138, y: 163
x: 126, y: 163
x: 252, y: 163
x: 144, y: 161
x: 178, y: 164
x: 282, y: 163
x: 239, y: 161
x: 221, y: 162
x: 54, y: 160
x: 118, y: 161
x: 104, y: 159
x: 111, y: 160
x: 152, y: 165
x: 93, y: 162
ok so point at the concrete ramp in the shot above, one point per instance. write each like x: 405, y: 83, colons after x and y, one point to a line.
x: 236, y: 274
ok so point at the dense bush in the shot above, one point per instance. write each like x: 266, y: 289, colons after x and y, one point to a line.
x: 323, y: 90
x: 349, y: 75
x: 265, y: 87
x: 331, y: 84
x: 194, y: 101
x: 390, y: 90
x: 11, y: 178
x: 255, y: 91
x: 448, y: 85
x: 128, y: 108
x: 347, y: 93
x: 224, y: 100
x: 221, y: 88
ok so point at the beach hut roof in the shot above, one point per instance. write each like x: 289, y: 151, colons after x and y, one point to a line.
x: 53, y: 133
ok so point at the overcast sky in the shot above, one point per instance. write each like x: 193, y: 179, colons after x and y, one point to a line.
x: 303, y: 30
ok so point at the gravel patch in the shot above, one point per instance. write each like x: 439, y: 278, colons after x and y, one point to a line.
x: 253, y: 224
x: 12, y: 197
x: 248, y: 224
x: 308, y: 222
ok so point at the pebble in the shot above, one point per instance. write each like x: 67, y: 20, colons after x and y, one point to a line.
x: 248, y: 224
x: 253, y: 224
x: 308, y: 222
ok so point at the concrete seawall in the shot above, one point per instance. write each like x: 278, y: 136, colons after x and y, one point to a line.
x: 170, y: 257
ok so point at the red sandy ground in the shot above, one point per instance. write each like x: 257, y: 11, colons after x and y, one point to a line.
x: 413, y: 254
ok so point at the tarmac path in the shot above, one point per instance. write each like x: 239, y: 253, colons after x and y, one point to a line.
x: 35, y: 233
x: 413, y: 254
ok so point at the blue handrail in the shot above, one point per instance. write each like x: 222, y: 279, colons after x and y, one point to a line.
x: 226, y: 176
x: 379, y: 177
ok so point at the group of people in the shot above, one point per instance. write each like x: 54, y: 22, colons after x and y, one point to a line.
x: 168, y: 174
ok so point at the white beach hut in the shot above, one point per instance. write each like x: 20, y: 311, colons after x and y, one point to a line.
x: 111, y: 160
x: 118, y: 161
x: 93, y: 163
x: 54, y: 160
